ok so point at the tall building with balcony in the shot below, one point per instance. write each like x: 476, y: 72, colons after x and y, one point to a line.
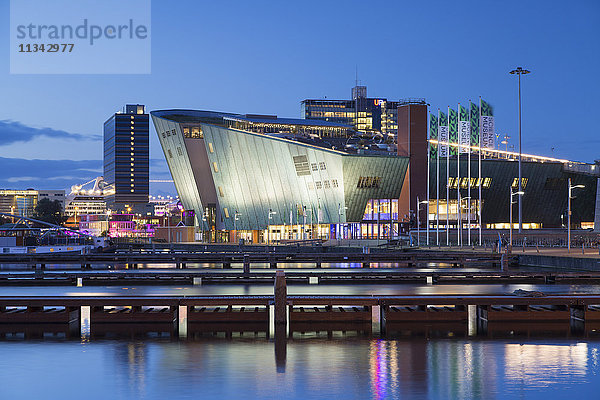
x: 126, y: 158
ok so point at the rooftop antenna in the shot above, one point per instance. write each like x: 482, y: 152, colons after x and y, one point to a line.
x: 356, y: 79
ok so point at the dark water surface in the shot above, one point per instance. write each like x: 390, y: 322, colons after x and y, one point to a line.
x: 305, y: 369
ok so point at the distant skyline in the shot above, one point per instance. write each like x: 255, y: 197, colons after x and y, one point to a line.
x: 265, y: 57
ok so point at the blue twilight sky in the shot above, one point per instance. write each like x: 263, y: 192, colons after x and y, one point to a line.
x: 265, y: 57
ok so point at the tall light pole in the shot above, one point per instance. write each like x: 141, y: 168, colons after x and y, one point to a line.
x: 520, y: 71
x: 569, y: 213
x: 512, y: 194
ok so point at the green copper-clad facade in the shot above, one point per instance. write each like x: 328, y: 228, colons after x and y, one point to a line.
x: 247, y: 172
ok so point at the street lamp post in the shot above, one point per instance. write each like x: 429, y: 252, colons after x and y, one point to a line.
x: 271, y: 213
x: 520, y: 71
x: 512, y: 194
x: 235, y: 219
x: 340, y: 212
x: 418, y: 220
x: 569, y: 213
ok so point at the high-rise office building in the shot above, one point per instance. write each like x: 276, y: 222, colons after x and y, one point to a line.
x: 365, y: 114
x: 126, y: 158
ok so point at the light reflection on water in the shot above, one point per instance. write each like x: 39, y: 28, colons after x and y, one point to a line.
x: 315, y: 369
x: 296, y: 289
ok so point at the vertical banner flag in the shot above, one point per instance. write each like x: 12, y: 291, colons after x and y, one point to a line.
x: 487, y: 125
x: 453, y: 130
x: 474, y: 125
x: 464, y: 129
x: 433, y: 134
x: 443, y: 133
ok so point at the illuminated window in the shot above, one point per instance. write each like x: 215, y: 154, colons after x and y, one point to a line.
x: 487, y: 182
x: 515, y: 183
x: 226, y: 212
x: 210, y: 148
x: 186, y: 131
x: 368, y: 182
x: 221, y: 192
x: 215, y: 167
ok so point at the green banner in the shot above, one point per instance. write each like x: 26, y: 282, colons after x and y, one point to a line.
x: 474, y: 124
x: 433, y: 134
x: 486, y: 109
x: 453, y: 130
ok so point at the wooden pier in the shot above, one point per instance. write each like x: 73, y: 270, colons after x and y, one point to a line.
x: 181, y: 259
x: 181, y: 316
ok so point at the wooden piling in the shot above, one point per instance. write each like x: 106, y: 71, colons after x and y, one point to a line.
x: 280, y: 298
x: 246, y: 264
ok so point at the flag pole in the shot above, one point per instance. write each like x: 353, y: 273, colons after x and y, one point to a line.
x: 480, y: 177
x: 469, y: 180
x: 428, y: 160
x: 458, y: 219
x: 448, y: 177
x: 437, y: 184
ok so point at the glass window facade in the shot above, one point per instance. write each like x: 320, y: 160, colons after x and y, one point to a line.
x: 126, y: 155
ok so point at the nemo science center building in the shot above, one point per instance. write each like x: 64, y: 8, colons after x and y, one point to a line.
x: 269, y: 179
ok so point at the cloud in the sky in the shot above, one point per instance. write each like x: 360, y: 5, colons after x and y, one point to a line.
x: 13, y: 131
